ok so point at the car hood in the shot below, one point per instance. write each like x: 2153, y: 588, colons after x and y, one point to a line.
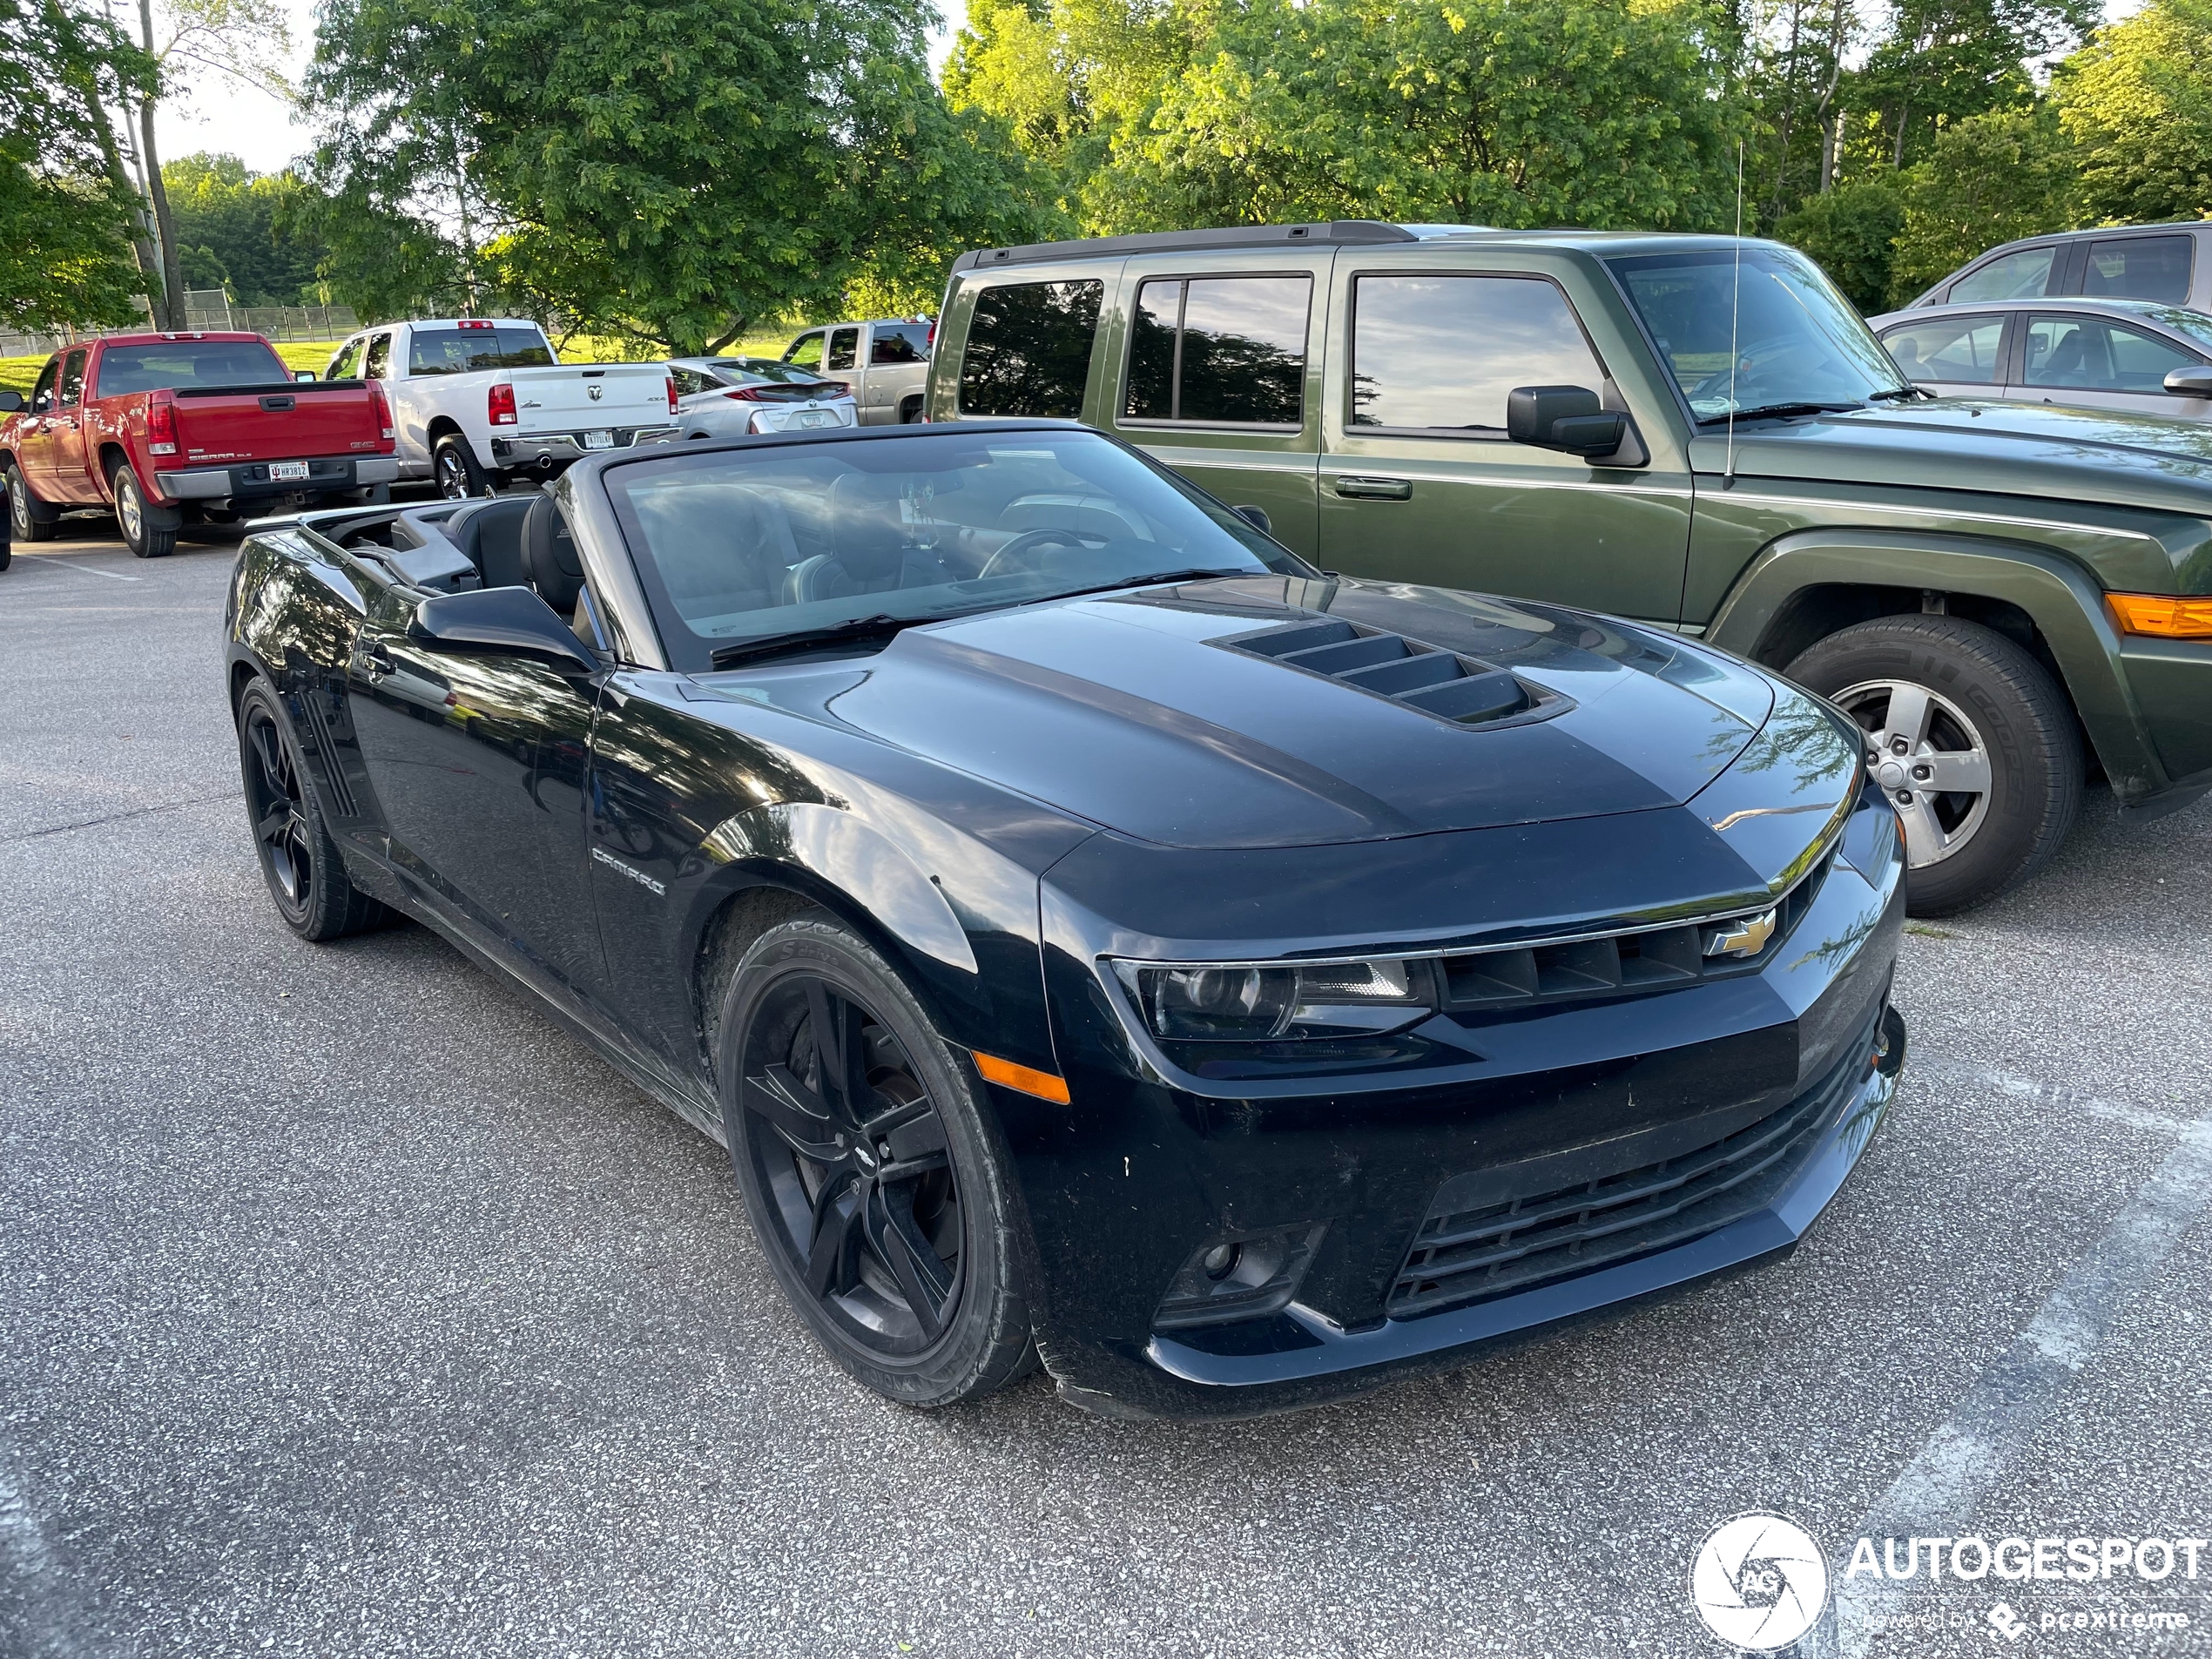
x: 1136, y: 712
x: 1973, y: 444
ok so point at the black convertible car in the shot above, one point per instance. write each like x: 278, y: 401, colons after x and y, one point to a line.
x: 1099, y: 938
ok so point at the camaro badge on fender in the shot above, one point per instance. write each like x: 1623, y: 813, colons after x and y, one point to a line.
x: 600, y: 856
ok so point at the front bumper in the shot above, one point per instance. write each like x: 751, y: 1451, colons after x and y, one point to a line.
x: 250, y: 480
x: 1147, y: 1167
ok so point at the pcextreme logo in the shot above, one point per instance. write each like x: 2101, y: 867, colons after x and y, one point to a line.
x: 1758, y: 1581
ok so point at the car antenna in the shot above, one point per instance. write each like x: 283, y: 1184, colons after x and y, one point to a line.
x: 1735, y: 309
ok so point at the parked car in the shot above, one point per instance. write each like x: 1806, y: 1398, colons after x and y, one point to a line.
x: 1694, y: 431
x: 164, y: 428
x: 885, y: 361
x: 1098, y: 936
x: 731, y: 397
x: 2134, y: 354
x: 482, y: 400
x: 2170, y: 263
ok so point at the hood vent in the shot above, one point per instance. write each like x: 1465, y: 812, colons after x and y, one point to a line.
x: 1464, y: 691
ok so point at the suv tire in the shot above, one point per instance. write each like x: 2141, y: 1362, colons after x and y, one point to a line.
x: 1947, y: 700
x: 141, y: 533
x: 31, y: 519
x: 453, y: 465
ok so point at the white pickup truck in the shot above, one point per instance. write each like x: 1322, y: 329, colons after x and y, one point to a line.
x: 477, y: 400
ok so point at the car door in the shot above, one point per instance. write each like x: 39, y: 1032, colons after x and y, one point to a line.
x: 1217, y: 373
x: 478, y: 762
x: 1417, y: 480
x: 2092, y: 361
x: 410, y: 431
x: 66, y: 435
x: 34, y: 438
x: 897, y: 361
x: 1952, y: 356
x: 841, y: 362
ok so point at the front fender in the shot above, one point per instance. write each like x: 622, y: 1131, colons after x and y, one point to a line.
x: 2066, y: 604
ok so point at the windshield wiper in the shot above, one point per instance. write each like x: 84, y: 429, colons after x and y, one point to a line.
x: 1157, y: 578
x: 1765, y: 411
x: 876, y: 627
x: 1902, y: 391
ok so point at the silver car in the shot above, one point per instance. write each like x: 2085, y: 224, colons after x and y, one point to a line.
x: 2169, y: 263
x: 2135, y: 355
x: 731, y: 397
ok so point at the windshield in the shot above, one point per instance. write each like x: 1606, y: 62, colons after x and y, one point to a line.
x: 1797, y: 341
x: 180, y: 363
x: 747, y: 544
x: 747, y: 371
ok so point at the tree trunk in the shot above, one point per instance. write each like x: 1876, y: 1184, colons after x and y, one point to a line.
x: 1831, y: 119
x: 144, y: 248
x: 172, y: 268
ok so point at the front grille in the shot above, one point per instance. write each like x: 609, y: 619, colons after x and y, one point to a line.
x: 1649, y: 959
x: 1472, y: 1255
x: 1444, y: 684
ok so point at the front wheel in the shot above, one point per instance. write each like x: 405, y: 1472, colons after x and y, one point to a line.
x: 878, y: 1187
x: 453, y: 463
x: 140, y: 533
x: 26, y: 517
x: 1968, y: 736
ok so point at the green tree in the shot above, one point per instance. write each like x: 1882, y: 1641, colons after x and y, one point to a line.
x: 1945, y: 61
x: 1987, y: 179
x: 1850, y: 231
x: 247, y: 224
x: 675, y: 171
x: 2137, y: 102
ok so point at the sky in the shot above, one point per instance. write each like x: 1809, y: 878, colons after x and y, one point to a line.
x: 221, y: 115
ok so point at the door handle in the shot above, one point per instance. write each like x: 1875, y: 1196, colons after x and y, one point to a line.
x: 1374, y: 488
x: 376, y: 662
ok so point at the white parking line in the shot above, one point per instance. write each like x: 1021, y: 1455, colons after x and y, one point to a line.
x: 1969, y: 1452
x: 76, y: 568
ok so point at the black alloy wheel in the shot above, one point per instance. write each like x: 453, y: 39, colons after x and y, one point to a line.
x: 298, y: 859
x: 868, y: 1171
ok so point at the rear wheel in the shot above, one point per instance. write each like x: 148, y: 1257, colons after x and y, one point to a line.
x: 144, y: 537
x: 298, y: 859
x: 1969, y: 738
x: 453, y: 463
x: 877, y: 1185
x: 29, y: 519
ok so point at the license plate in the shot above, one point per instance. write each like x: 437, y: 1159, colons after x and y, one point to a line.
x: 816, y: 417
x: 286, y: 471
x: 598, y: 439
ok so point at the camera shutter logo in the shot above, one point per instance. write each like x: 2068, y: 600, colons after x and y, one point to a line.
x: 1758, y: 1581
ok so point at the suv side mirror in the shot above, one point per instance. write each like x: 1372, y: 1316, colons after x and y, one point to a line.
x: 1255, y: 517
x: 1567, y: 418
x: 2191, y: 382
x: 508, y: 619
x: 303, y: 373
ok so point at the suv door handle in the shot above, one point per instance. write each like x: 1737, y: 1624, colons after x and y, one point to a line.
x: 1375, y: 488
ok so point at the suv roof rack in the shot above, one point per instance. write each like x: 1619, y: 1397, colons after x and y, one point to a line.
x: 1338, y: 232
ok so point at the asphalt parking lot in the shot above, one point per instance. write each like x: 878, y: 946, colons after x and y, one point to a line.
x: 355, y: 1309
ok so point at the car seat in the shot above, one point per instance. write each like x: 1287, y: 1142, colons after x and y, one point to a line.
x: 870, y: 545
x: 550, y: 555
x: 719, y: 547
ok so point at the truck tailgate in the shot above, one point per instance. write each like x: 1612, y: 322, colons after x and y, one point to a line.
x: 280, y: 423
x: 567, y: 400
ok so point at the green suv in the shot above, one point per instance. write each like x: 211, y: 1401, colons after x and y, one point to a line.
x: 1698, y: 432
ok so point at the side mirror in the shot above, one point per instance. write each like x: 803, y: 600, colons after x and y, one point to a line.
x: 1567, y: 418
x: 502, y: 619
x: 11, y: 403
x: 2191, y: 382
x: 303, y: 373
x: 1255, y: 517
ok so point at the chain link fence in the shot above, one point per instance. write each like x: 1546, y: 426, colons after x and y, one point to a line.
x: 207, y: 311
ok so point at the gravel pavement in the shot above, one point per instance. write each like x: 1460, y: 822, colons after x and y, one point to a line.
x: 351, y: 1308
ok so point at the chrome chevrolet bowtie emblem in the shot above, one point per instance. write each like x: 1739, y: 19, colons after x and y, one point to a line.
x: 1745, y: 937
x: 593, y: 392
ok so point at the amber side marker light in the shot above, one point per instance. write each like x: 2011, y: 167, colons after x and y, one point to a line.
x: 1042, y: 1084
x: 2161, y: 615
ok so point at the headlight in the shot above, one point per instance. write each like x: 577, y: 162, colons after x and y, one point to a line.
x: 1253, y: 1002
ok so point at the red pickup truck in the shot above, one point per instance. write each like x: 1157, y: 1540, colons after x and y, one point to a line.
x: 166, y: 428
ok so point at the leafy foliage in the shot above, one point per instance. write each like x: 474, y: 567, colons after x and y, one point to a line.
x: 241, y: 228
x: 1849, y: 231
x: 1989, y: 179
x: 2138, y: 103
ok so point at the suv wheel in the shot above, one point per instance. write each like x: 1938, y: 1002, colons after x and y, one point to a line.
x: 140, y: 533
x: 1968, y: 736
x: 31, y: 518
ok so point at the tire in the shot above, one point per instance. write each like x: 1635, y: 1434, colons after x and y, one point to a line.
x: 1945, y: 699
x: 24, y: 516
x: 889, y: 1215
x: 298, y: 859
x: 140, y: 533
x: 453, y: 466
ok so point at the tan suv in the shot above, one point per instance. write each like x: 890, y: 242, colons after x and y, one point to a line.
x: 885, y: 361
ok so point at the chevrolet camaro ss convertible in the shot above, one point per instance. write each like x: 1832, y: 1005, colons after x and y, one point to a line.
x: 1100, y: 939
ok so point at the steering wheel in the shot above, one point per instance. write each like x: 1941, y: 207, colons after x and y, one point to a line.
x: 1030, y: 540
x: 1753, y: 362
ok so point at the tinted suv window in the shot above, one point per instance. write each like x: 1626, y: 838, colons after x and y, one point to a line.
x: 1229, y: 350
x: 2086, y: 354
x: 464, y: 351
x: 2015, y: 276
x: 898, y: 342
x: 1440, y: 352
x: 1951, y: 348
x: 1028, y: 349
x: 2139, y: 268
x: 72, y: 378
x: 844, y: 343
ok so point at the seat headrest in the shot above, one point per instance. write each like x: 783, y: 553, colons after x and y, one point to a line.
x: 549, y: 556
x: 867, y: 526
